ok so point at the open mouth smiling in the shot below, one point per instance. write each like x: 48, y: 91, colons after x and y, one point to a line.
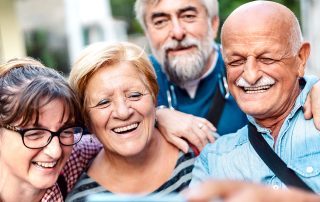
x: 45, y: 164
x: 126, y: 129
x: 256, y: 89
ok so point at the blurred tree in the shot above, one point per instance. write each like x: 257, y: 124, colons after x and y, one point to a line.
x: 37, y: 46
x: 124, y: 9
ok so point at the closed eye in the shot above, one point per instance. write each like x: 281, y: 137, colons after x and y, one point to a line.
x: 236, y: 63
x: 102, y: 104
x: 134, y: 96
x: 267, y: 61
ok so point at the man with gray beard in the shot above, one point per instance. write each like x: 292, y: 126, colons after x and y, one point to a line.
x: 190, y: 71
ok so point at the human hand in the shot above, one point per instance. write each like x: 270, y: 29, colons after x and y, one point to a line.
x: 177, y: 127
x: 312, y: 105
x: 236, y: 191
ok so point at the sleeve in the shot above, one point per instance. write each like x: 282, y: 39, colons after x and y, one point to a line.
x: 310, y: 80
x: 200, y: 171
x: 81, y: 155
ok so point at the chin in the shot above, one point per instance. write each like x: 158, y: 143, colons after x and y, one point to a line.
x: 45, y: 184
x: 254, y: 111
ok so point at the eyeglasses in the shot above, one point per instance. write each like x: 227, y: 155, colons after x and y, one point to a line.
x: 36, y: 138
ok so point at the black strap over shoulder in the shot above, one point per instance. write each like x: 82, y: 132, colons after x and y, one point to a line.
x: 273, y: 161
x: 63, y: 186
x: 216, y: 108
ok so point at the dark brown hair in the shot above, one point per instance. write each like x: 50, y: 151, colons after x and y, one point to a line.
x: 26, y: 85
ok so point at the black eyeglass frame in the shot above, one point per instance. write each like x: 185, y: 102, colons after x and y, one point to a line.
x: 22, y: 131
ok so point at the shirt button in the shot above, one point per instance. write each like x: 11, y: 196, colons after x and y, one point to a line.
x: 309, y: 169
x: 275, y: 187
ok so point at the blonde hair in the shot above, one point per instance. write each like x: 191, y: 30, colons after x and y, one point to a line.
x: 100, y: 55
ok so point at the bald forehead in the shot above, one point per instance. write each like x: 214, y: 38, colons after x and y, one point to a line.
x: 260, y: 13
x: 263, y: 16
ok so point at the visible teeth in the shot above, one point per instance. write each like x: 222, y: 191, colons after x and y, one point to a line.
x: 126, y: 128
x: 257, y: 89
x: 47, y: 164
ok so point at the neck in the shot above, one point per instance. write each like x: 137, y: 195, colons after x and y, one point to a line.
x: 137, y: 163
x: 12, y: 189
x: 274, y: 123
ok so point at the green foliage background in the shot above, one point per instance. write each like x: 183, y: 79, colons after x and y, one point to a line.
x: 37, y: 43
x: 124, y: 9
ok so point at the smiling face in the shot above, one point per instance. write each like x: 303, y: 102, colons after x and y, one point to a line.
x: 263, y: 67
x: 120, y: 109
x: 38, y: 168
x: 180, y: 34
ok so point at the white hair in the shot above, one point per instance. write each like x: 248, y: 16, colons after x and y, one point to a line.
x: 211, y: 7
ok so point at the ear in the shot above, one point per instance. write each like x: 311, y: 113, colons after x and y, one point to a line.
x: 215, y: 21
x: 303, y: 56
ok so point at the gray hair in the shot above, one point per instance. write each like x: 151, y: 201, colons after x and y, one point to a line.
x: 211, y: 7
x: 296, y: 37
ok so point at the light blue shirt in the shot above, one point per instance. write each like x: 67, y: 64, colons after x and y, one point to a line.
x: 233, y: 157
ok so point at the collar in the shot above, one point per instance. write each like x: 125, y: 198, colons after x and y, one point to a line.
x: 306, y: 84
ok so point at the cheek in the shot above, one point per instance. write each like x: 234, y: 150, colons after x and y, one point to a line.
x: 232, y: 75
x: 98, y: 118
x: 67, y: 152
x: 157, y: 38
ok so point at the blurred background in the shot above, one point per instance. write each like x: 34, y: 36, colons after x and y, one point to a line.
x: 55, y: 31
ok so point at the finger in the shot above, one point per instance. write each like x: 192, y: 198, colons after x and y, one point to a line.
x: 207, y: 123
x: 315, y: 106
x: 179, y: 143
x: 194, y: 138
x: 307, y: 108
x: 199, y: 131
x: 208, y: 134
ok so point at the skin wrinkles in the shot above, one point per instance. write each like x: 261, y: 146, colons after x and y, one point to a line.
x: 112, y: 83
x: 254, y: 52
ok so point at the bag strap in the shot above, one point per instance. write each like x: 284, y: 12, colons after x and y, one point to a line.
x: 62, y: 183
x: 219, y: 98
x: 273, y: 161
x: 216, y: 109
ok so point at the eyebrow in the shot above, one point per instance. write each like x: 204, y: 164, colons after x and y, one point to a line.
x: 182, y: 10
x: 188, y: 8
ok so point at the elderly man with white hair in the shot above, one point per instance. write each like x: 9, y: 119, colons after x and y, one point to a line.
x: 265, y: 58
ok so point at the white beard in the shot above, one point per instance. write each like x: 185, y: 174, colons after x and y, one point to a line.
x: 184, y: 68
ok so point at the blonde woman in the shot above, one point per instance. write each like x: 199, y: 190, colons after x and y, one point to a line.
x: 118, y: 90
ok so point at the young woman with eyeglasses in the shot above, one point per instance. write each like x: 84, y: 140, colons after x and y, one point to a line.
x: 40, y: 122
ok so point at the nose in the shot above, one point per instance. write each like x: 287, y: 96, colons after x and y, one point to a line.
x: 122, y: 109
x: 53, y: 149
x: 251, y: 72
x: 178, y: 31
